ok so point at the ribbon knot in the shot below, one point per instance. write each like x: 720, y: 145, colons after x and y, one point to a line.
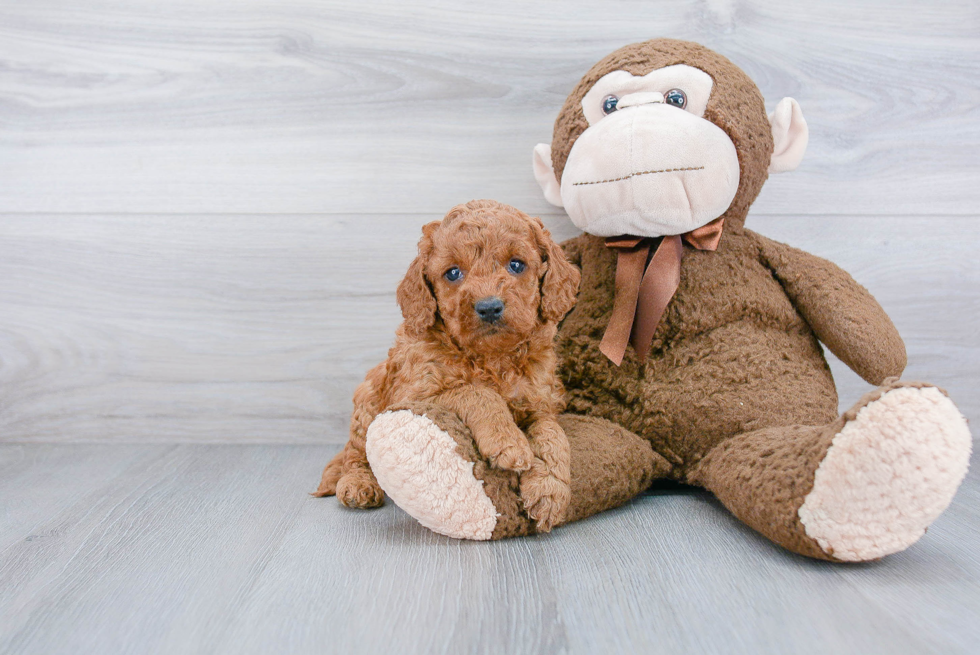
x: 642, y: 295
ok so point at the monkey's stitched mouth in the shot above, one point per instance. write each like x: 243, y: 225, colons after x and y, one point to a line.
x: 631, y: 175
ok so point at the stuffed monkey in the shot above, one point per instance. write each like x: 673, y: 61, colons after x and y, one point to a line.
x: 694, y: 350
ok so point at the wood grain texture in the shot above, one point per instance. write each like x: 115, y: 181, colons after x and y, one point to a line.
x: 295, y: 106
x: 257, y: 328
x: 218, y: 549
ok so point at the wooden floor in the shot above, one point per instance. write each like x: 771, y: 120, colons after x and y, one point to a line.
x: 217, y: 548
x: 204, y: 210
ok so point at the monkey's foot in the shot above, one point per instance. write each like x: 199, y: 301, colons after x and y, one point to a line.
x: 889, y: 473
x: 417, y: 464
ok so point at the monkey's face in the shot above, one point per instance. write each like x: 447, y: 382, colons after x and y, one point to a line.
x: 663, y: 137
x: 649, y: 164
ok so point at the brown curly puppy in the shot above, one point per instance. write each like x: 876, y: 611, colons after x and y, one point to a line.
x: 481, y: 303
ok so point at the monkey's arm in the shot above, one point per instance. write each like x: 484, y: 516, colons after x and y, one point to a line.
x: 841, y: 312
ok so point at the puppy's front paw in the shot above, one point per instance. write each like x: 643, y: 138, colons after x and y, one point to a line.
x: 512, y: 456
x: 545, y: 497
x: 359, y: 490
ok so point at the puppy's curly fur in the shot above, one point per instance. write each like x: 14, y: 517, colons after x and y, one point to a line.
x: 498, y: 376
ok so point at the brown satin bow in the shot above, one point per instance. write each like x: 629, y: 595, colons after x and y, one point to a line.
x: 642, y: 297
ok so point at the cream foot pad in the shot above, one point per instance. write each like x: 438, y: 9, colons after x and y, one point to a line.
x: 888, y: 474
x: 417, y: 465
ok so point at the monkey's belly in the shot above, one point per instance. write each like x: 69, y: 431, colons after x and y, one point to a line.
x: 706, y: 388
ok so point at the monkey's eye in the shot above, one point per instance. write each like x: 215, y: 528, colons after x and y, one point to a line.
x: 676, y: 97
x: 609, y: 104
x: 453, y: 274
x: 516, y: 266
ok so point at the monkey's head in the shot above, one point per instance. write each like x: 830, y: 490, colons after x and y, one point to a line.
x: 663, y: 137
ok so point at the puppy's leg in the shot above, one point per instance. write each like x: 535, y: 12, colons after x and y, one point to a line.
x: 496, y: 434
x: 331, y: 473
x: 545, y: 487
x: 356, y: 486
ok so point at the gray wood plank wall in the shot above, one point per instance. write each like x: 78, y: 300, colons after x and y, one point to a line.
x: 205, y: 207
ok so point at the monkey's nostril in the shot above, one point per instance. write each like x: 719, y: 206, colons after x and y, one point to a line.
x: 489, y: 309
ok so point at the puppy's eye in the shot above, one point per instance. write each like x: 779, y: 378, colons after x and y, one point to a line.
x: 609, y: 104
x: 676, y: 97
x: 516, y: 266
x: 453, y: 274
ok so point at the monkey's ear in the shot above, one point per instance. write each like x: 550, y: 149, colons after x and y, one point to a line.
x: 789, y: 136
x: 414, y: 295
x: 544, y: 173
x: 559, y: 285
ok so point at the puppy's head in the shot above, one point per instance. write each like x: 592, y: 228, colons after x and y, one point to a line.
x: 491, y: 274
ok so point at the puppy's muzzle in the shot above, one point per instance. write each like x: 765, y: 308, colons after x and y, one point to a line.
x: 490, y: 310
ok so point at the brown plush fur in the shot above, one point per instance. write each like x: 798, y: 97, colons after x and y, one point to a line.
x: 499, y: 378
x: 735, y: 371
x: 735, y: 366
x: 735, y: 394
x: 738, y: 348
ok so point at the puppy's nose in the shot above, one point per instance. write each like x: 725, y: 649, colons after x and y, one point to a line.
x: 489, y: 309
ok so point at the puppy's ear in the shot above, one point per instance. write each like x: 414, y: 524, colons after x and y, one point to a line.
x: 559, y: 284
x: 414, y: 295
